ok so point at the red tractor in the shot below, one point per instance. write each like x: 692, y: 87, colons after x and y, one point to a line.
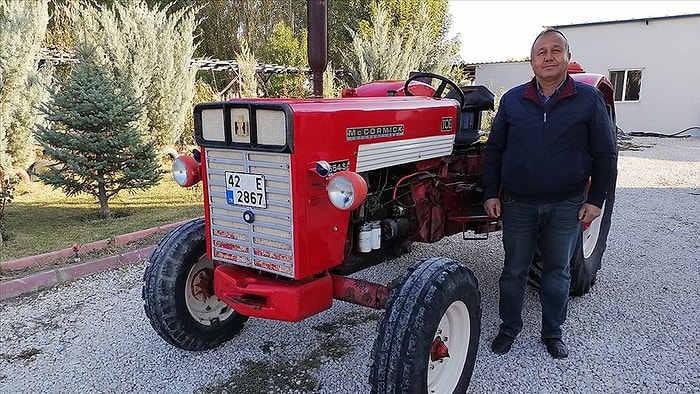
x: 300, y: 193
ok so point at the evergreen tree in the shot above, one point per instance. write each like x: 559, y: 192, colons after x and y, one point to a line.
x: 152, y: 45
x: 22, y: 27
x: 286, y: 49
x: 91, y: 134
x: 384, y: 49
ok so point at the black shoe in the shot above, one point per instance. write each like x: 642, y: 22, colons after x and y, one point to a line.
x: 556, y: 347
x: 502, y: 343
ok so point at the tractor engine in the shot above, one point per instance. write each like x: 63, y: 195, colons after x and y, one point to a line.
x: 416, y: 202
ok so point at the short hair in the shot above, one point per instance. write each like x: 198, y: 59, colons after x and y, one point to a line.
x: 547, y: 31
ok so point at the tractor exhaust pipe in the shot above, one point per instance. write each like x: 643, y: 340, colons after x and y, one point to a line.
x: 317, y: 44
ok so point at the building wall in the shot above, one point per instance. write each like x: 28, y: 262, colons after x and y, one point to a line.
x: 667, y: 51
x: 499, y: 77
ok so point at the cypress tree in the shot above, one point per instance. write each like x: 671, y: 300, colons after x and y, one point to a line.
x: 92, y: 134
x: 22, y: 27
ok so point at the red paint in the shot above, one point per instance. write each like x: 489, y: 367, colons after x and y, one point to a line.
x: 205, y: 192
x: 575, y: 68
x: 438, y: 350
x: 193, y: 170
x: 360, y: 292
x: 388, y: 88
x: 254, y: 294
x: 320, y: 134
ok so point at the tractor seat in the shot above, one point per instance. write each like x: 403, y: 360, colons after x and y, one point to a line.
x: 476, y: 99
x: 466, y: 135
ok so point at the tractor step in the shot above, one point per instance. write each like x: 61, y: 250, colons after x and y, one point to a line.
x: 474, y: 220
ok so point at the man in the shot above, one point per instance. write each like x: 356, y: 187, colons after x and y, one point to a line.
x: 549, y: 137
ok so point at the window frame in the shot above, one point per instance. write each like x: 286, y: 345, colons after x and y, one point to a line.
x: 625, y: 80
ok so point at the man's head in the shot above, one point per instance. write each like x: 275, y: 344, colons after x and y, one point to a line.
x: 549, y: 56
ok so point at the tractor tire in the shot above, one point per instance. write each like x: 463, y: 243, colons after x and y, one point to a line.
x: 178, y: 294
x: 587, y: 259
x: 429, y: 334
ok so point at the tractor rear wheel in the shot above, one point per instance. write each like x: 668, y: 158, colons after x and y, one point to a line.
x: 178, y: 293
x: 429, y: 334
x: 586, y: 262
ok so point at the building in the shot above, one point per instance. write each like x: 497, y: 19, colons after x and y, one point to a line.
x: 654, y: 64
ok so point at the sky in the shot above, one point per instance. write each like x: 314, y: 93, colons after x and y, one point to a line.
x: 493, y: 31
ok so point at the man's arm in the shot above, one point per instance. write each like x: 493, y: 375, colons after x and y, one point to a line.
x: 603, y: 152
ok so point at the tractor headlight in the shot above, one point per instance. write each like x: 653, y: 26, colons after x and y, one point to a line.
x: 272, y: 127
x: 347, y: 190
x: 246, y: 124
x: 186, y: 171
x: 213, y: 124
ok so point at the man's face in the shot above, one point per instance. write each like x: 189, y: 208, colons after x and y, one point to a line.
x: 550, y: 58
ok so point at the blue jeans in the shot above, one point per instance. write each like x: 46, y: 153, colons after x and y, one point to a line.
x: 554, y: 228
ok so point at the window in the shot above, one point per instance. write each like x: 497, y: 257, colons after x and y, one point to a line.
x: 627, y: 84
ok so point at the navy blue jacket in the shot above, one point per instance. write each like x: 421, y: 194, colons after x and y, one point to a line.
x: 544, y: 153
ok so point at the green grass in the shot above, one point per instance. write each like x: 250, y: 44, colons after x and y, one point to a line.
x: 41, y: 219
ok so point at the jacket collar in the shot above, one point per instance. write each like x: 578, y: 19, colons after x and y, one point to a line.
x: 567, y: 90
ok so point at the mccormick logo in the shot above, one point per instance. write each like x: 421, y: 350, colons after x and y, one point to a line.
x: 365, y: 133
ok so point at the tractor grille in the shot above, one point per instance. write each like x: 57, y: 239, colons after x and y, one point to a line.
x: 266, y: 243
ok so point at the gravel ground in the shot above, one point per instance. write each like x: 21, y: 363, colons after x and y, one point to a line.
x: 636, y: 332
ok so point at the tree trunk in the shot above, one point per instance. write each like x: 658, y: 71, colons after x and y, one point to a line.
x: 104, y: 203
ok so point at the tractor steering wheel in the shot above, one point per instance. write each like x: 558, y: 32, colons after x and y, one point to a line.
x: 440, y: 89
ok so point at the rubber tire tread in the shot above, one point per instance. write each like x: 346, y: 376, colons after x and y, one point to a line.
x: 584, y: 271
x: 414, y: 309
x: 163, y: 292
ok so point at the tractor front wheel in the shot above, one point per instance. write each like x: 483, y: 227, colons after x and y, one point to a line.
x: 429, y: 334
x: 178, y: 293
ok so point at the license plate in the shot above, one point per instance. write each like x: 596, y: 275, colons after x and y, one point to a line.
x: 245, y: 189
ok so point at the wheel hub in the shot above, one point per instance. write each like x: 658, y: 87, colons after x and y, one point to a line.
x: 444, y: 368
x: 439, y: 349
x: 204, y: 306
x: 203, y: 284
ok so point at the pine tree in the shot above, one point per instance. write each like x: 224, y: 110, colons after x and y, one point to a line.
x: 91, y: 134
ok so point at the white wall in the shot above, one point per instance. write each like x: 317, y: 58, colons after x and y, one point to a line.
x: 499, y: 77
x: 668, y: 52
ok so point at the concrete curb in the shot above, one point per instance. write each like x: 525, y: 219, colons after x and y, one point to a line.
x: 31, y: 261
x: 40, y: 280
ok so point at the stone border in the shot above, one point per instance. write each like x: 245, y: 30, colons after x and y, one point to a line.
x: 36, y: 281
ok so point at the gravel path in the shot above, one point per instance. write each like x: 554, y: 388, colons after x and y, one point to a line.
x: 636, y: 332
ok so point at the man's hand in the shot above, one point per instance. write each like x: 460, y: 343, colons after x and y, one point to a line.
x: 587, y: 213
x: 492, y: 206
